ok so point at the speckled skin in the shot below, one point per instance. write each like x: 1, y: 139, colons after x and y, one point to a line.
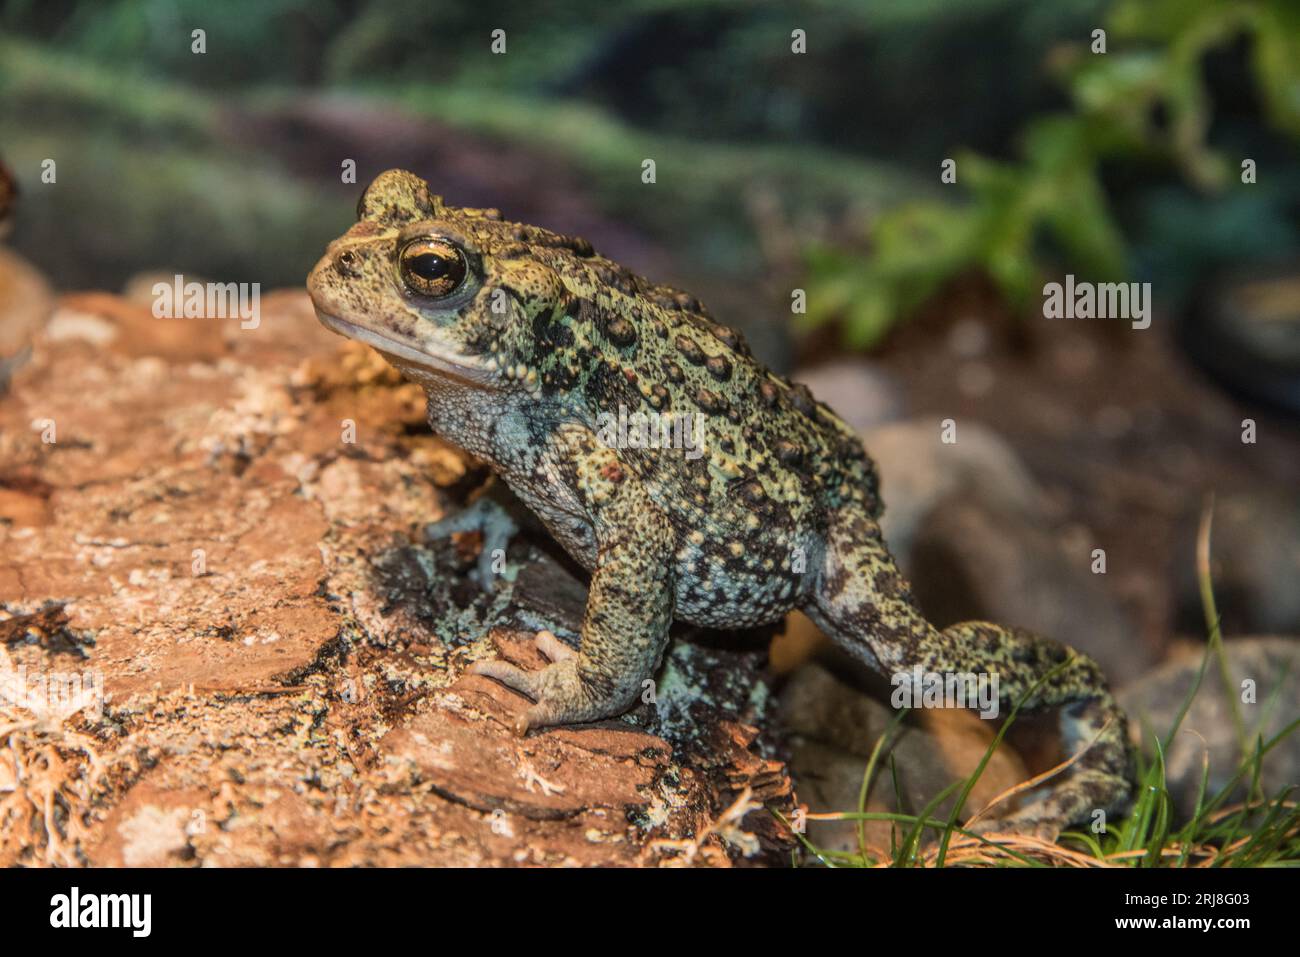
x: 780, y: 511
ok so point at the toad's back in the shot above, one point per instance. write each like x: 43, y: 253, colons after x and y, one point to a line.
x: 769, y: 456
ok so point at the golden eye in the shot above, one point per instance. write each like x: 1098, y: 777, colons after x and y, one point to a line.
x: 432, y: 267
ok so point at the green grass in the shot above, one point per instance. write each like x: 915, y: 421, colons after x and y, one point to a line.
x: 1259, y: 830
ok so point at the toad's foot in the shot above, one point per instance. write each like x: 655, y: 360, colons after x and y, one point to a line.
x: 497, y: 528
x: 1090, y: 787
x: 558, y: 688
x: 1047, y: 812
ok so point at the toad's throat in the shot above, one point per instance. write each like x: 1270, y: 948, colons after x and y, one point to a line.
x: 409, y: 359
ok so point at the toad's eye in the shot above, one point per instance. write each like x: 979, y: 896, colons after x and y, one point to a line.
x: 432, y: 267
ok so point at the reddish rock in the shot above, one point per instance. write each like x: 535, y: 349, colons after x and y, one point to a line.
x: 226, y: 531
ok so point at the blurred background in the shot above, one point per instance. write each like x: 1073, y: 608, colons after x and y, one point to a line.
x: 1169, y: 158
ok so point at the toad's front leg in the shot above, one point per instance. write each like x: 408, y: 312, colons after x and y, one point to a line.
x: 629, y: 608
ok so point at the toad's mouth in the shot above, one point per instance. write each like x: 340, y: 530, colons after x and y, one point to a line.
x: 466, y: 368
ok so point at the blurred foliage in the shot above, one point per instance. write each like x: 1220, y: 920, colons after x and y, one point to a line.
x: 758, y: 151
x: 150, y: 176
x: 1145, y: 104
x: 719, y: 69
x: 40, y: 88
x: 146, y: 206
x: 713, y: 183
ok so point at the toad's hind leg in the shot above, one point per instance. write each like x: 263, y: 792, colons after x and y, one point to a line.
x: 864, y: 603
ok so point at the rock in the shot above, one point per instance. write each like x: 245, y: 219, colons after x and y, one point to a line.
x: 138, y: 288
x: 224, y: 539
x: 798, y: 642
x: 1152, y: 703
x: 833, y: 729
x: 26, y: 302
x: 1254, y: 564
x: 918, y: 471
x: 151, y: 828
x: 972, y: 561
x: 970, y: 528
x: 859, y: 391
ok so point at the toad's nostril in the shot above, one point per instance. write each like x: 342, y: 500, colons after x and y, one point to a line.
x: 347, y: 263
